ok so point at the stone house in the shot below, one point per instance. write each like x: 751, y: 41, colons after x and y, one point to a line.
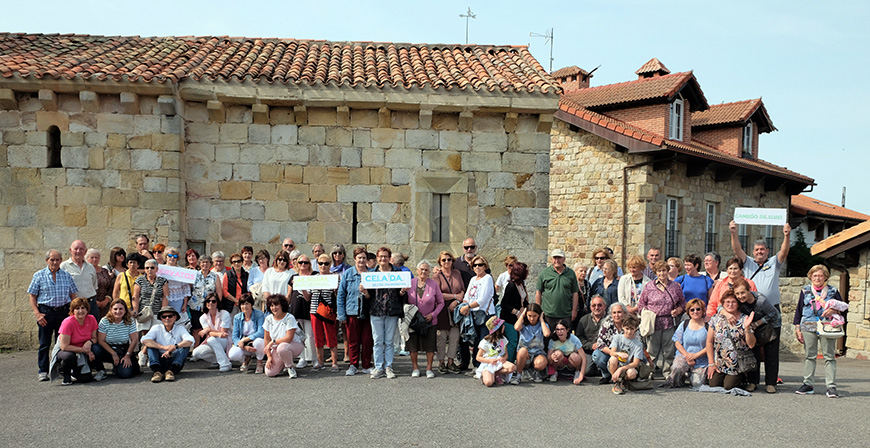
x: 216, y: 142
x: 650, y: 163
x: 847, y: 253
x: 819, y: 219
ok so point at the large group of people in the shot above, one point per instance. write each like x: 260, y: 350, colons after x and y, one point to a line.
x: 664, y: 318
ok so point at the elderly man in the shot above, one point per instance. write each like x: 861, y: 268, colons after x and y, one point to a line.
x: 654, y: 255
x: 142, y: 242
x: 289, y: 245
x: 317, y: 250
x: 51, y: 290
x: 588, y: 329
x: 168, y: 345
x: 558, y: 293
x: 761, y: 269
x: 84, y: 275
x: 463, y: 263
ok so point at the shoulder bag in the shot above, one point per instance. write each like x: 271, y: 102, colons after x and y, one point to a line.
x: 147, y: 313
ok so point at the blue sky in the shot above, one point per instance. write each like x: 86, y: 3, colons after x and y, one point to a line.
x: 808, y: 60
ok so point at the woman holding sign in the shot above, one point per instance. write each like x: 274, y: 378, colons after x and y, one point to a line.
x: 353, y: 309
x: 300, y: 307
x: 386, y: 308
x: 323, y: 317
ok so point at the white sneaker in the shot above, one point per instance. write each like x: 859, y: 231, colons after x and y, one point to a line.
x: 526, y: 376
x: 430, y: 374
x: 377, y: 373
x: 554, y: 377
x: 351, y: 371
x: 301, y: 364
x: 391, y: 374
x: 100, y: 376
x: 143, y: 360
x: 292, y: 372
x: 476, y: 375
x: 42, y: 376
x: 415, y: 373
x: 226, y: 368
x: 367, y: 371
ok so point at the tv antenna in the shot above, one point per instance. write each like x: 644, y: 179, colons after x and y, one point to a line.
x: 468, y: 15
x: 548, y: 38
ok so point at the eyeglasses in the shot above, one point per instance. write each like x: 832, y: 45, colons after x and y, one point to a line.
x: 338, y: 253
x: 321, y: 263
x: 479, y: 265
x: 211, y: 301
x: 469, y: 247
x: 600, y: 258
x: 236, y: 261
x: 166, y: 316
x: 148, y: 268
x: 596, y: 305
x: 695, y: 309
x: 172, y: 256
x: 445, y: 260
x: 303, y: 262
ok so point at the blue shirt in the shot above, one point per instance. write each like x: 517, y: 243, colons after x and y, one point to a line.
x: 52, y: 292
x: 693, y: 341
x: 767, y: 278
x: 695, y: 287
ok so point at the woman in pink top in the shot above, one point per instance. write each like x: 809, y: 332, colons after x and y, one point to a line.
x: 77, y: 334
x: 425, y: 294
x: 734, y: 270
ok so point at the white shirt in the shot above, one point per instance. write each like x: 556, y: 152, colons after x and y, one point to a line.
x: 223, y: 320
x: 278, y: 328
x: 158, y: 334
x: 85, y: 277
x: 275, y: 282
x: 502, y: 280
x: 480, y: 291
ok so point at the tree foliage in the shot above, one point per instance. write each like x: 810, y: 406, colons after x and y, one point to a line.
x: 800, y: 260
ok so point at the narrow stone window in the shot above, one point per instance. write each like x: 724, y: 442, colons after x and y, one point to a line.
x: 440, y: 218
x: 671, y: 228
x: 747, y: 140
x: 54, y: 148
x: 676, y: 120
x: 710, y: 240
x: 743, y: 236
x: 354, y: 223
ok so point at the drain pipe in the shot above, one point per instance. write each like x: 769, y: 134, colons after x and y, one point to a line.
x: 625, y: 202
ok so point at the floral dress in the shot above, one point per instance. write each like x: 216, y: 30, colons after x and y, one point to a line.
x: 202, y: 287
x: 727, y: 341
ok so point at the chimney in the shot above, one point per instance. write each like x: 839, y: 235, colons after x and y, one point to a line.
x: 652, y: 69
x: 572, y: 78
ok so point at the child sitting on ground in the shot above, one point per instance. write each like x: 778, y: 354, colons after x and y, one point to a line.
x: 533, y: 332
x: 494, y: 367
x: 626, y: 354
x: 566, y: 351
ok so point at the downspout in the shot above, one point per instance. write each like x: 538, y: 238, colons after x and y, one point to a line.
x: 625, y: 202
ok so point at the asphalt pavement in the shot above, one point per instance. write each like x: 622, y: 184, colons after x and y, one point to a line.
x: 207, y: 408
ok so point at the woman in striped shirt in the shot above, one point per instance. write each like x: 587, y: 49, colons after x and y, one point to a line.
x: 116, y: 337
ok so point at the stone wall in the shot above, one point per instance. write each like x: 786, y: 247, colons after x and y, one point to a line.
x: 858, y: 324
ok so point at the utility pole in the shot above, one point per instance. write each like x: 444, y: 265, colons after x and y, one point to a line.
x: 548, y: 38
x: 466, y: 16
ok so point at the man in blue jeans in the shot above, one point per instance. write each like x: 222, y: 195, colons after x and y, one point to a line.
x: 168, y: 345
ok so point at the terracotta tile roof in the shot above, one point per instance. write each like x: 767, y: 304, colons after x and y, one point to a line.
x: 652, y: 66
x: 736, y: 113
x: 569, y: 71
x: 806, y: 204
x: 173, y: 59
x: 662, y: 88
x: 693, y: 147
x: 840, y: 242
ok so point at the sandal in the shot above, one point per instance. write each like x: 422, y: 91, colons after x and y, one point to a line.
x: 335, y: 368
x: 259, y: 367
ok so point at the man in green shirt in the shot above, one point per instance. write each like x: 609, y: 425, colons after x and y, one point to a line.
x: 557, y: 291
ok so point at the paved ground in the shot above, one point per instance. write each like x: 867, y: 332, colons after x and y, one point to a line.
x: 207, y: 408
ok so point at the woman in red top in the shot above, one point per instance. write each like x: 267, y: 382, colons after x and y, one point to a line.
x: 76, y: 336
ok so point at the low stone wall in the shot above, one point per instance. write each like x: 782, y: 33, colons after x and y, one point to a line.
x: 789, y: 292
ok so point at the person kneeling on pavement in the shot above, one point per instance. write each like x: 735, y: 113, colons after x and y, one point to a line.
x: 168, y: 345
x: 626, y: 354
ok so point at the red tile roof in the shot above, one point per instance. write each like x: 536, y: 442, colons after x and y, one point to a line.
x: 692, y: 147
x: 806, y: 204
x: 569, y: 71
x: 736, y: 113
x: 652, y: 66
x: 161, y: 59
x: 662, y: 88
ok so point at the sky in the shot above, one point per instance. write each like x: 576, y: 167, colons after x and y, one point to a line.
x: 807, y: 60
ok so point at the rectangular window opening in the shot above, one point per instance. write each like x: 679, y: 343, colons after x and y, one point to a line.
x: 440, y: 218
x: 743, y: 237
x: 710, y: 239
x: 676, y: 120
x: 354, y: 223
x: 671, y: 224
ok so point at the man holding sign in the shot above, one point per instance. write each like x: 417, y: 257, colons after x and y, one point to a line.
x: 762, y: 269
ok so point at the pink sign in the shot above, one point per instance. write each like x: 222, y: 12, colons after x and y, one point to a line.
x: 182, y: 275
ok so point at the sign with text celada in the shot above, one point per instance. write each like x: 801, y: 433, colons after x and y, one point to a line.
x: 309, y: 282
x: 393, y: 279
x: 760, y: 216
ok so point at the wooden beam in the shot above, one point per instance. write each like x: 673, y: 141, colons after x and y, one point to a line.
x: 725, y: 173
x: 696, y: 168
x: 750, y: 180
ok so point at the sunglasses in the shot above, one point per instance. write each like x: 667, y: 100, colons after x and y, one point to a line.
x: 303, y: 262
x: 281, y: 259
x: 158, y: 251
x: 445, y: 260
x: 211, y: 301
x: 166, y: 316
x: 468, y: 247
x: 600, y: 258
x: 695, y: 309
x: 323, y: 263
x: 172, y: 256
x: 148, y: 268
x: 236, y: 261
x: 479, y: 265
x: 289, y: 245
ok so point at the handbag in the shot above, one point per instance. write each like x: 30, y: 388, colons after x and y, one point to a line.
x: 746, y: 361
x: 765, y: 334
x: 647, y: 322
x: 146, y: 315
x: 826, y: 330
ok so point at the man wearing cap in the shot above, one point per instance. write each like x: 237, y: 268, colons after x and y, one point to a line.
x: 558, y: 293
x: 84, y: 275
x: 51, y: 290
x: 168, y: 346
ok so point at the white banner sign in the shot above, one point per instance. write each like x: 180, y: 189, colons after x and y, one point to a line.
x: 309, y: 282
x: 761, y: 216
x: 393, y: 279
x: 178, y: 274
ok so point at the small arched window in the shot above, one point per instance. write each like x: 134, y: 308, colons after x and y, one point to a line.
x: 54, y: 148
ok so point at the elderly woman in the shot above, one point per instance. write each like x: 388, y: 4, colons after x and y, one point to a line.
x: 453, y: 291
x: 607, y: 286
x: 248, y: 335
x: 733, y: 271
x: 192, y: 258
x: 247, y: 258
x: 282, y: 344
x: 599, y: 256
x: 514, y: 300
x: 584, y: 288
x: 218, y: 266
x: 123, y: 288
x: 504, y: 277
x: 725, y: 341
x: 293, y: 257
x: 105, y: 281
x: 276, y: 278
x: 149, y: 291
x: 215, y: 333
x: 611, y: 326
x: 300, y: 307
x: 665, y: 299
x: 205, y: 284
x: 353, y: 309
x: 765, y: 314
x: 117, y: 338
x: 712, y: 260
x: 694, y: 285
x: 235, y: 284
x: 323, y: 318
x: 256, y: 273
x: 631, y: 285
x: 426, y: 295
x: 117, y: 261
x: 387, y: 306
x: 690, y: 339
x: 339, y: 262
x: 478, y: 298
x: 179, y: 292
x: 817, y: 301
x: 76, y: 338
x: 675, y: 268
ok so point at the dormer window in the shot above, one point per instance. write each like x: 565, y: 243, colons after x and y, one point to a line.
x: 747, y: 141
x: 676, y: 120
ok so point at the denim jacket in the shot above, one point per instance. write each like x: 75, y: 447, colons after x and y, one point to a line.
x: 349, y: 300
x: 257, y: 317
x: 805, y: 311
